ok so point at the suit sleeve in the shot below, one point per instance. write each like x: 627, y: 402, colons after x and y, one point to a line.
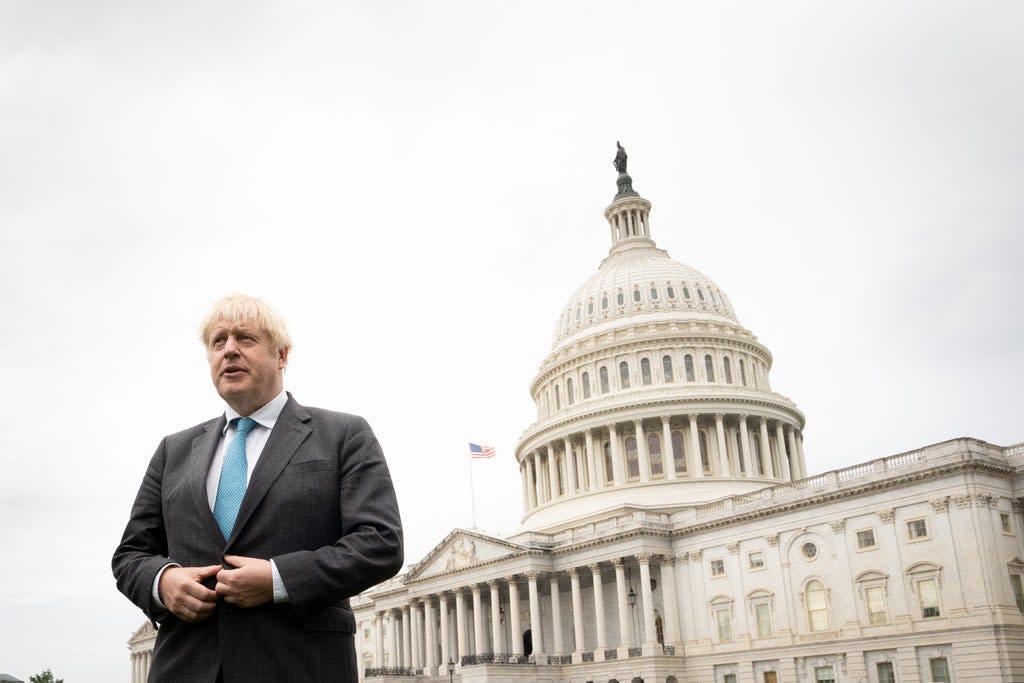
x: 370, y: 547
x: 143, y: 548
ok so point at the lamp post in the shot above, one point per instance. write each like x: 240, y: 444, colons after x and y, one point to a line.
x: 451, y: 670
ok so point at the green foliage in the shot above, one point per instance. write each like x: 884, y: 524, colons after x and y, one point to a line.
x: 45, y: 677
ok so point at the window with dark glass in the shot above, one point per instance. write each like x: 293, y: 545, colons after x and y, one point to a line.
x: 636, y: 294
x: 632, y: 458
x: 570, y: 394
x: 666, y: 368
x: 604, y: 302
x: 709, y: 367
x: 645, y: 371
x: 654, y: 292
x: 603, y: 378
x: 624, y: 374
x: 688, y: 365
x: 705, y: 459
x: 726, y: 370
x: 670, y: 292
x: 700, y: 294
x: 620, y: 298
x: 743, y: 373
x: 590, y: 307
x: 558, y: 399
x: 609, y: 469
x: 654, y: 450
x: 585, y: 379
x: 678, y: 455
x: 686, y: 292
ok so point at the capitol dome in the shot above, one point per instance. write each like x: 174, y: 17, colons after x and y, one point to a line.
x: 653, y: 393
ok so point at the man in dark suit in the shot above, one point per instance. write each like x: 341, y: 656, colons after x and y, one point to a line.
x: 251, y: 531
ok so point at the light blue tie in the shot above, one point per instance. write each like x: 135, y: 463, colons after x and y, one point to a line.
x: 233, y: 475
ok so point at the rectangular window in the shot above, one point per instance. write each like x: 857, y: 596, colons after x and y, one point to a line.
x: 928, y: 594
x: 756, y: 560
x: 824, y: 674
x: 940, y: 670
x: 917, y: 529
x: 865, y: 539
x: 717, y: 567
x: 729, y: 678
x: 886, y: 674
x: 875, y: 599
x: 724, y: 621
x: 1004, y: 520
x: 1018, y: 590
x: 771, y: 677
x: 763, y: 612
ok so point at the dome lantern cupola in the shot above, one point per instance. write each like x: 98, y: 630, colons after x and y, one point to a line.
x: 628, y: 215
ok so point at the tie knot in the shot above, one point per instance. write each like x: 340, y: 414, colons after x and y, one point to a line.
x: 244, y: 424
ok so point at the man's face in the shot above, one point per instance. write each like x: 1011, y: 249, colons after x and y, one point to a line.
x: 244, y: 366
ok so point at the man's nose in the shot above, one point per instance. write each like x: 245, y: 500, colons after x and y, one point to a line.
x: 231, y: 346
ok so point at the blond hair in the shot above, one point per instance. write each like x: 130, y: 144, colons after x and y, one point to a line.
x: 238, y: 308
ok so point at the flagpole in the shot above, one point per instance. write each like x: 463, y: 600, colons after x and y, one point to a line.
x: 472, y: 494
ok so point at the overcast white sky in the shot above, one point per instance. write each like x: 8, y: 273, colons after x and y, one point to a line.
x: 419, y: 188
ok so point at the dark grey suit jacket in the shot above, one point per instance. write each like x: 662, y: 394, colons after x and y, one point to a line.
x: 320, y: 503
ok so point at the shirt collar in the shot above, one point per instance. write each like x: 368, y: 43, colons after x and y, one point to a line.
x: 264, y: 417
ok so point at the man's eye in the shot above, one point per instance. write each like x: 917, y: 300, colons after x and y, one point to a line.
x: 218, y: 342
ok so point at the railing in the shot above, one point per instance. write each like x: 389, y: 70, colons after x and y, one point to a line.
x: 611, y: 653
x: 588, y: 657
x: 635, y: 652
x: 493, y: 658
x: 669, y: 649
x: 388, y: 671
x: 560, y: 659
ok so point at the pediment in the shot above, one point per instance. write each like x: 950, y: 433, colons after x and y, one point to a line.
x: 461, y: 549
x: 142, y: 633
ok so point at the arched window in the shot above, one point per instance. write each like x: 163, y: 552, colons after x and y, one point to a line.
x: 678, y: 455
x: 609, y: 469
x: 636, y: 294
x: 654, y: 292
x: 632, y: 458
x: 727, y: 370
x: 604, y: 302
x: 590, y: 307
x: 585, y: 379
x: 620, y: 298
x: 645, y: 371
x: 709, y: 367
x: 579, y: 309
x: 654, y: 449
x: 624, y: 374
x: 666, y: 369
x: 700, y: 293
x: 670, y: 292
x: 603, y: 376
x: 570, y: 393
x: 686, y: 292
x: 705, y: 458
x: 816, y: 600
x: 688, y: 364
x: 558, y: 398
x: 743, y: 373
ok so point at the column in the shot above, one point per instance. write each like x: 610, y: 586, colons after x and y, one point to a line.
x: 618, y: 471
x: 417, y: 630
x: 406, y: 637
x: 591, y: 464
x: 668, y: 459
x: 430, y: 646
x: 780, y: 444
x: 766, y: 447
x: 461, y: 646
x: 552, y: 472
x: 650, y: 629
x: 745, y: 448
x: 798, y: 472
x: 538, y: 479
x: 443, y: 616
x: 570, y: 463
x: 800, y: 449
x: 378, y: 645
x: 622, y: 603
x: 556, y: 615
x: 513, y: 615
x: 668, y: 584
x: 577, y: 610
x: 695, y: 465
x: 602, y: 638
x: 478, y: 621
x: 496, y: 644
x: 536, y: 631
x: 526, y: 492
x: 723, y: 450
x: 642, y: 451
x: 394, y: 661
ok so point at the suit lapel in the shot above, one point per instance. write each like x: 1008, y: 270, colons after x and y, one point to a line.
x: 203, y: 448
x: 288, y: 434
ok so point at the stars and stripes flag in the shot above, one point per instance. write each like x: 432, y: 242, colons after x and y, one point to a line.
x: 477, y: 452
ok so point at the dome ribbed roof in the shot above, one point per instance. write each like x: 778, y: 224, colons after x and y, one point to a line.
x: 638, y: 285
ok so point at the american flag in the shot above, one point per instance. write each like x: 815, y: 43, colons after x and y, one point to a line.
x: 478, y: 452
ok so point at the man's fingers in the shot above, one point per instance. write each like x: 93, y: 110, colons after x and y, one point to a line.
x: 238, y: 560
x: 207, y: 572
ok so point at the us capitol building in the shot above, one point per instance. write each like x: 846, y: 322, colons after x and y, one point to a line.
x: 671, y: 532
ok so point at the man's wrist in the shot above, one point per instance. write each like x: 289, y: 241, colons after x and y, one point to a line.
x: 280, y: 592
x: 156, y: 585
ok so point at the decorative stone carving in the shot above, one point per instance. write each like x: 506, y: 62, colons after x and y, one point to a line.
x: 1018, y: 505
x: 989, y: 500
x: 940, y: 504
x: 733, y: 548
x: 643, y: 558
x: 695, y: 555
x: 838, y: 525
x: 887, y: 515
x: 963, y: 499
x: 772, y: 539
x: 461, y: 554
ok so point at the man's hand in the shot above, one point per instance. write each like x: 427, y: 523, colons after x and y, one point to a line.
x: 250, y: 584
x: 183, y: 594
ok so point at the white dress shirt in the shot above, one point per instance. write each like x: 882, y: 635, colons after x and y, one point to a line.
x: 255, y: 440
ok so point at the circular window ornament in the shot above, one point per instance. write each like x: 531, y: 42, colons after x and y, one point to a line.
x: 809, y: 551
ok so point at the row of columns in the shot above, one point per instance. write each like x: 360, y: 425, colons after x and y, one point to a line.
x: 427, y: 641
x: 584, y: 470
x: 140, y: 665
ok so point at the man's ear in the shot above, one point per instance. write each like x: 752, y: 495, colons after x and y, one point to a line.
x: 282, y: 359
